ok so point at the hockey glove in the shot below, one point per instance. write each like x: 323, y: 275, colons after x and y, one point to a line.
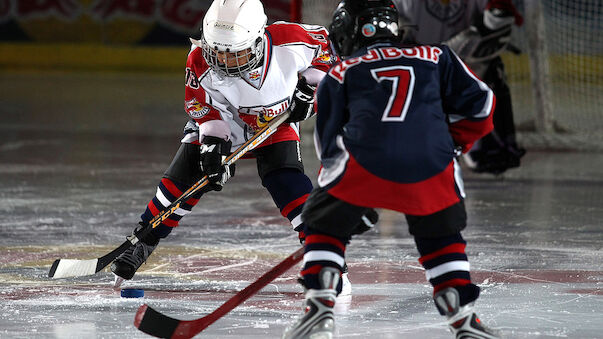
x: 500, y: 13
x: 367, y: 222
x: 213, y: 151
x: 302, y: 105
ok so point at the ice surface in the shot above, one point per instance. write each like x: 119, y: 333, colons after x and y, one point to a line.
x: 80, y: 161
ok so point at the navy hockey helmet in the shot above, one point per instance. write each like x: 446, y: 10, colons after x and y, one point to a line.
x: 358, y: 23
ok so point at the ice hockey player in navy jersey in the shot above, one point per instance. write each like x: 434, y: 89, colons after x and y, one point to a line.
x: 392, y: 120
x: 239, y: 76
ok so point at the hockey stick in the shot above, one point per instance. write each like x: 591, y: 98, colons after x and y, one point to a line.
x: 63, y: 268
x: 160, y: 325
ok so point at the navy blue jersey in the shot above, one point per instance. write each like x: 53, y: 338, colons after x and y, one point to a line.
x: 390, y: 118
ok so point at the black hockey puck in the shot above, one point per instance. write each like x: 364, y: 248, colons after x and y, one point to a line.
x: 132, y: 293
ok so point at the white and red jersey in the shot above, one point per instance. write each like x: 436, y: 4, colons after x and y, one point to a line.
x: 439, y: 20
x: 247, y: 103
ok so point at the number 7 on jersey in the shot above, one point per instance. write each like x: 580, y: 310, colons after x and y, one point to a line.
x: 403, y: 83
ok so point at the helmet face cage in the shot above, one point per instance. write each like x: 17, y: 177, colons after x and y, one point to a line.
x: 253, y: 55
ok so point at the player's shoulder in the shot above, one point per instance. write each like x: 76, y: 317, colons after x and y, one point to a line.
x: 288, y: 33
x: 195, y: 61
x: 448, y: 54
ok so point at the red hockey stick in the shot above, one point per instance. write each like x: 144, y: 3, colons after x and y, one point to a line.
x: 159, y: 325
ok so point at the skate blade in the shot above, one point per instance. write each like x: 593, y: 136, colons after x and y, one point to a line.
x: 117, y: 282
x: 346, y: 285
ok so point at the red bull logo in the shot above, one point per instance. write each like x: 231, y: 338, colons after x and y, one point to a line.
x: 324, y: 57
x: 254, y: 75
x: 258, y: 117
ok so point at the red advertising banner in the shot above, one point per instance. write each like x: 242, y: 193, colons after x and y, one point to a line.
x: 112, y: 21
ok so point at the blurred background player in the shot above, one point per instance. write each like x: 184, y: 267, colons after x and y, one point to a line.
x: 239, y: 76
x: 392, y: 118
x: 478, y: 31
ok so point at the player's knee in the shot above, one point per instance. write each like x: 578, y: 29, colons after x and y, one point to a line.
x: 326, y: 214
x: 287, y: 185
x: 185, y: 165
x: 446, y: 222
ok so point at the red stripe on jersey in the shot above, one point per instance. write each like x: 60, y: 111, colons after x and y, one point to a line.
x: 450, y: 283
x: 324, y: 239
x: 289, y: 33
x: 195, y: 102
x: 360, y: 187
x: 267, y: 58
x: 466, y: 132
x: 283, y: 133
x: 452, y: 248
x: 171, y: 187
x: 293, y: 205
x: 286, y: 33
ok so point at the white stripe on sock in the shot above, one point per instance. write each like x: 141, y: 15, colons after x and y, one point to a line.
x: 162, y: 199
x: 324, y: 256
x: 459, y: 265
x: 296, y: 221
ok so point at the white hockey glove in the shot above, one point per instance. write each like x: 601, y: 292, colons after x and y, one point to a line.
x: 481, y: 43
x: 302, y: 105
x: 213, y: 151
x: 501, y: 13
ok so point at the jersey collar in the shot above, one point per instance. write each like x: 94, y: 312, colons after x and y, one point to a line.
x: 256, y: 77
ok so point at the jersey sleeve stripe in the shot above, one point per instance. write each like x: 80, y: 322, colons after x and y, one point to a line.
x: 489, y: 104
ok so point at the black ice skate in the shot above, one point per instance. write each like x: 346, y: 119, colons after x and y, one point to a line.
x: 128, y: 262
x: 317, y: 322
x: 463, y: 323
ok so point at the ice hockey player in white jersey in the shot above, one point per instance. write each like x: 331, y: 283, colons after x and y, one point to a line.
x: 239, y: 76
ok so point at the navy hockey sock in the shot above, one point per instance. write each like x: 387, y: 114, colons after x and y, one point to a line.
x: 446, y: 265
x: 289, y: 189
x: 322, y: 251
x: 167, y: 192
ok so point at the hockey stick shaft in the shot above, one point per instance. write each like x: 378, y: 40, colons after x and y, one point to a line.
x: 63, y: 268
x: 159, y: 325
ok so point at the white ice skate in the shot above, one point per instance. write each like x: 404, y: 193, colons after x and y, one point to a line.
x: 317, y: 322
x: 462, y: 321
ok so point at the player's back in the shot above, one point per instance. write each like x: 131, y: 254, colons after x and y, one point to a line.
x: 396, y: 114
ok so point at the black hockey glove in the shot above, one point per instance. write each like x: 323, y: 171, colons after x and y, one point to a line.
x: 212, y: 152
x: 302, y: 105
x: 367, y: 222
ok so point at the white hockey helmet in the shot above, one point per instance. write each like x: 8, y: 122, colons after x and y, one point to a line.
x: 233, y: 26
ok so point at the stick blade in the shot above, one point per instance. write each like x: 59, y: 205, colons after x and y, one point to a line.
x: 154, y: 323
x: 160, y: 325
x: 64, y: 268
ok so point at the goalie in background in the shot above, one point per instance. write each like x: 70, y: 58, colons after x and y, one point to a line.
x: 478, y: 31
x: 392, y: 119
